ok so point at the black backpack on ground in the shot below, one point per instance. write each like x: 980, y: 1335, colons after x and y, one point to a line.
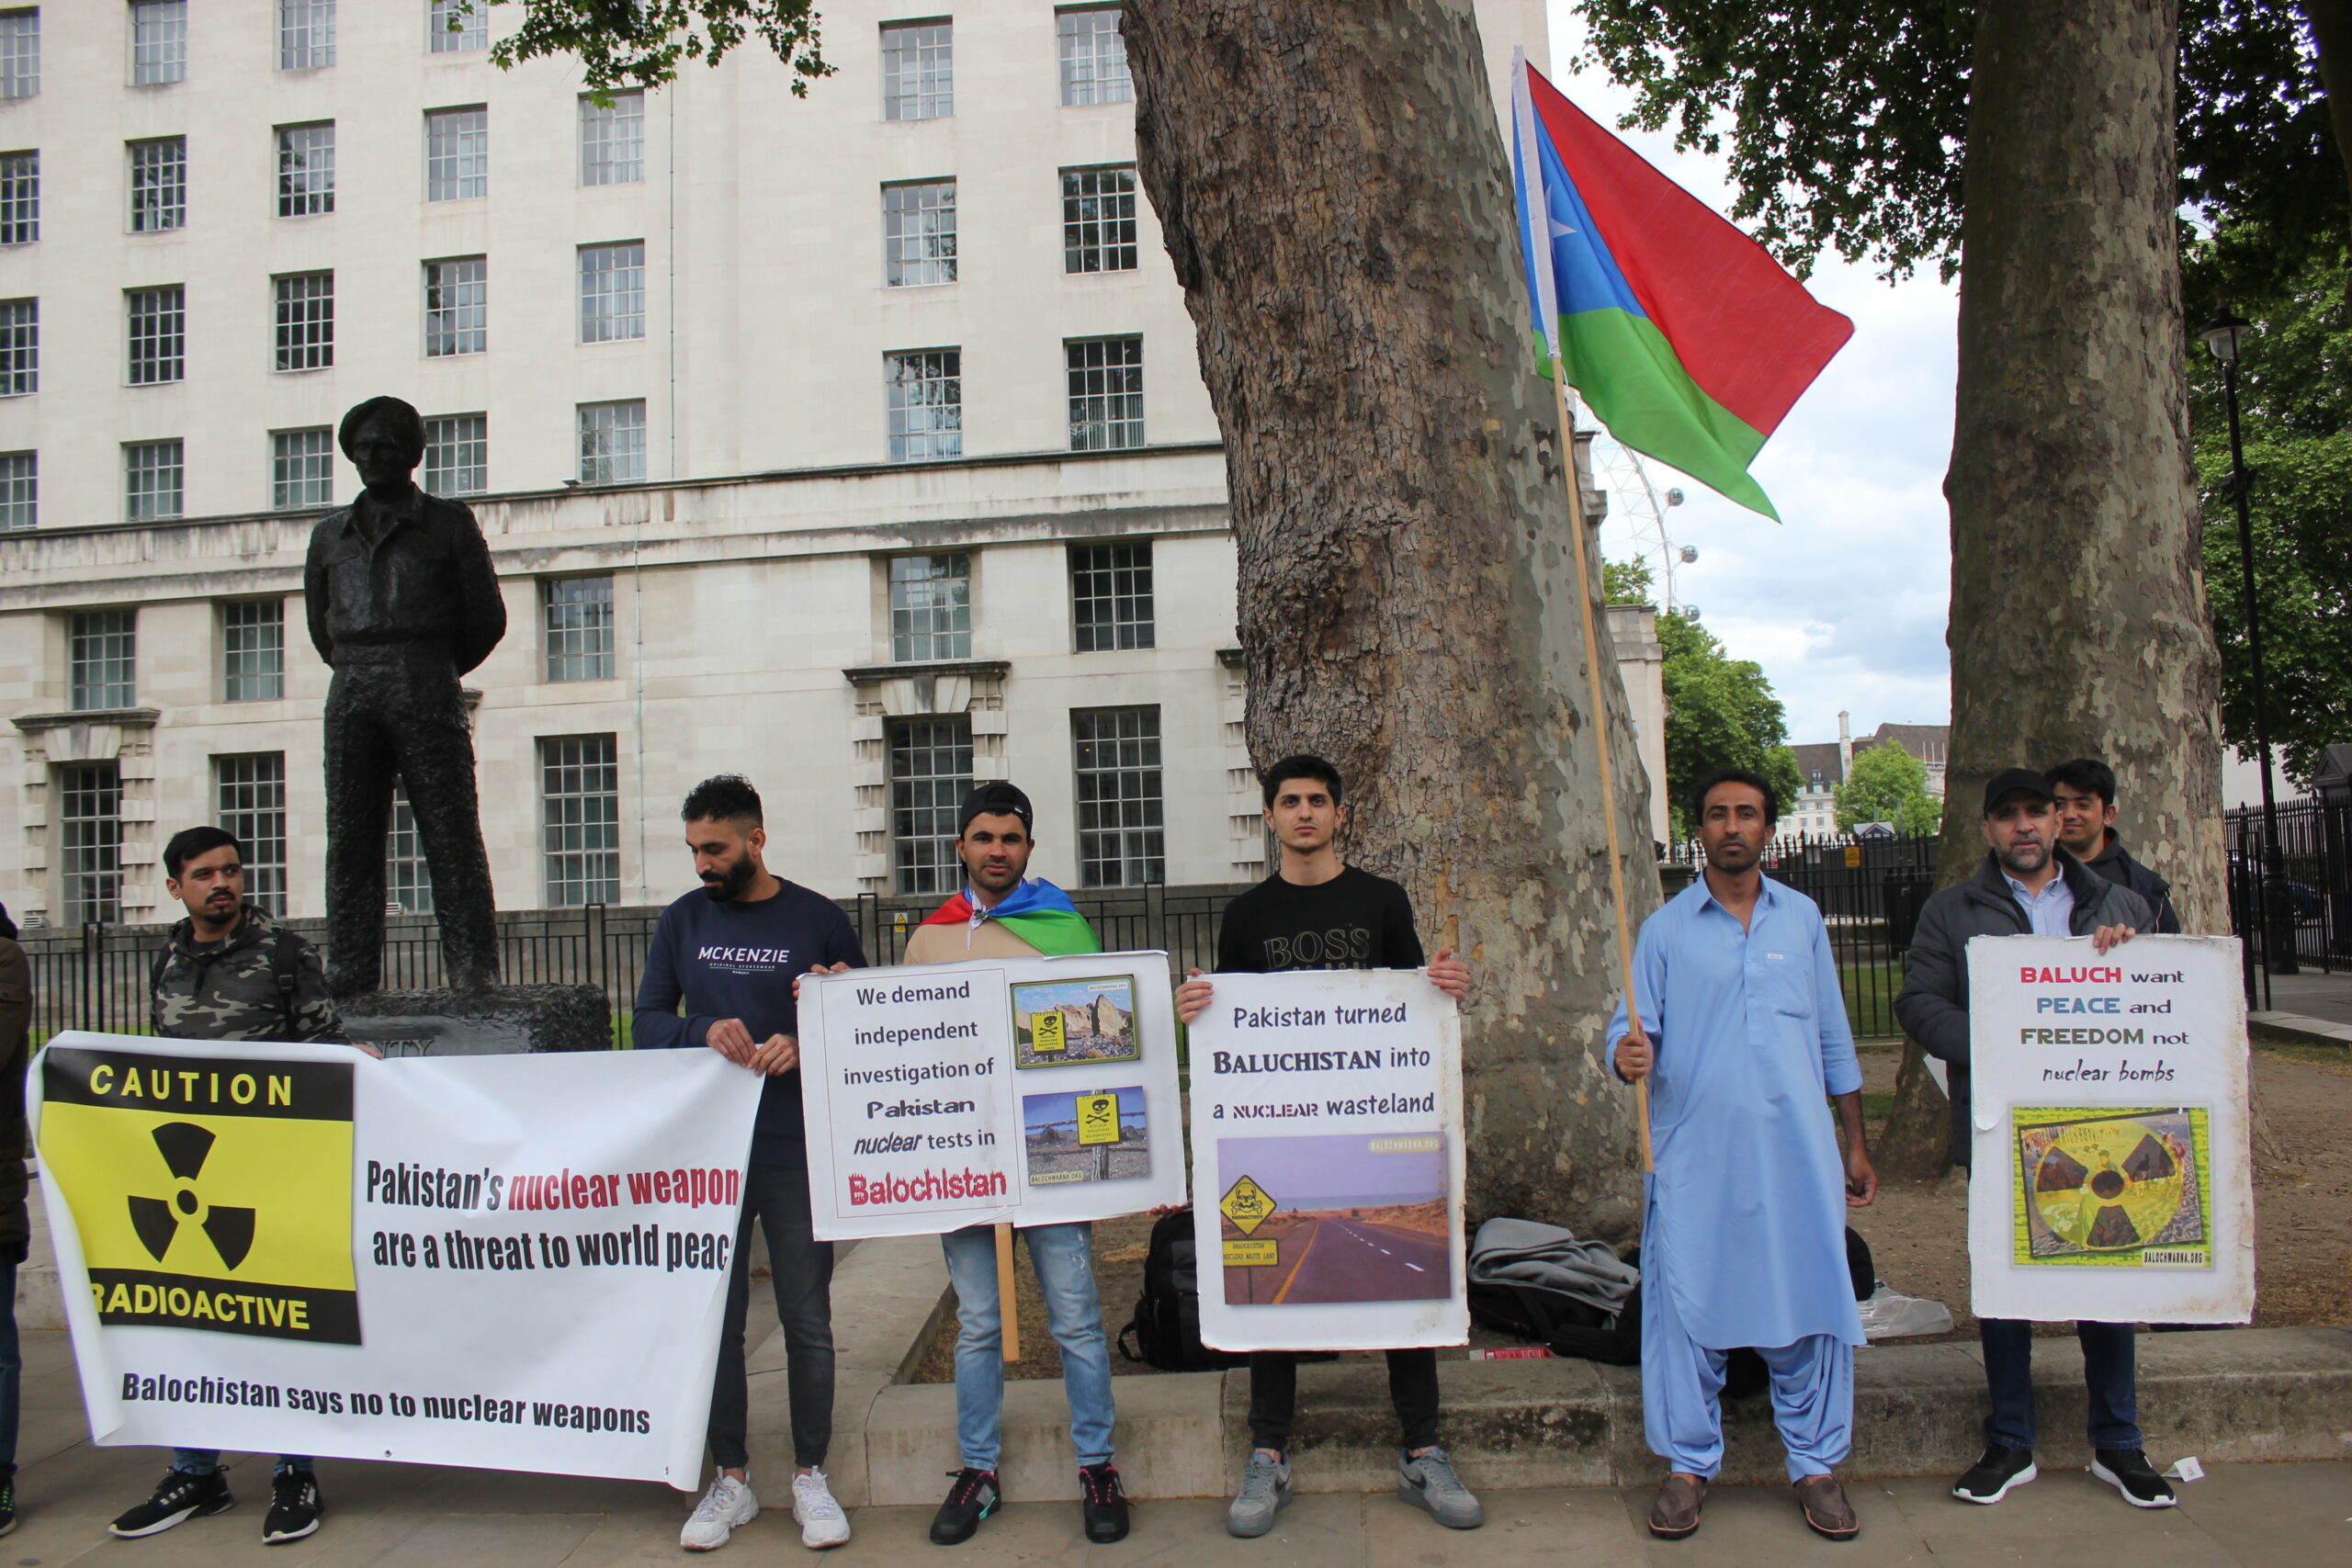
x: 1166, y: 1324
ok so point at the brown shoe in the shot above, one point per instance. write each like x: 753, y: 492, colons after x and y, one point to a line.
x: 1675, y: 1512
x: 1825, y: 1508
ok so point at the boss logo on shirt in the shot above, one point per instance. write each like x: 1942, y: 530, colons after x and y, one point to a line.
x: 1339, y: 945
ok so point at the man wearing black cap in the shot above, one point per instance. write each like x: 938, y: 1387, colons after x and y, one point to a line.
x: 2028, y: 885
x: 1002, y: 914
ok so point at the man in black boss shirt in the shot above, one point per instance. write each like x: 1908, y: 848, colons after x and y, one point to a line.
x: 1317, y: 914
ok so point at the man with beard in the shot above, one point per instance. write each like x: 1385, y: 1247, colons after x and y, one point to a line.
x: 731, y: 952
x: 1744, y: 1229
x: 1000, y: 914
x: 2027, y: 885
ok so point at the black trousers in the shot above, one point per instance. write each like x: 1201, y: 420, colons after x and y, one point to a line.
x: 1273, y: 1397
x: 776, y: 1196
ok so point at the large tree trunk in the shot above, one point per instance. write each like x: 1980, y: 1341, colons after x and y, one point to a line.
x: 1338, y: 203
x: 2078, y: 621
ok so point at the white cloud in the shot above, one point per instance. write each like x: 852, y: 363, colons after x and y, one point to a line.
x: 1844, y: 601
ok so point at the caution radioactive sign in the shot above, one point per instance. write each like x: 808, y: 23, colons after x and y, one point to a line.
x: 1048, y: 1032
x: 1098, y: 1119
x: 1249, y: 1254
x: 209, y: 1194
x: 1248, y: 1205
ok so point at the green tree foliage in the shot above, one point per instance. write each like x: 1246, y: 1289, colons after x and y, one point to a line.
x: 1887, y: 784
x: 1628, y: 583
x: 1780, y: 771
x: 1720, y: 713
x: 2295, y: 410
x: 638, y: 43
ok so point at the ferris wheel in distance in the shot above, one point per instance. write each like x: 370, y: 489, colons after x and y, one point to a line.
x: 1636, y: 526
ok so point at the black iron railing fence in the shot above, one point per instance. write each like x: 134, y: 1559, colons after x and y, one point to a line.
x: 2295, y: 915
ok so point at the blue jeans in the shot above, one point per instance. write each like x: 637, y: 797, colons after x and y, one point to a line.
x: 204, y: 1462
x: 2108, y: 1376
x: 1064, y: 1259
x: 12, y: 1371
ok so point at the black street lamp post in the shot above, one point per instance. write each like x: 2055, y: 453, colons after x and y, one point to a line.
x: 2222, y: 336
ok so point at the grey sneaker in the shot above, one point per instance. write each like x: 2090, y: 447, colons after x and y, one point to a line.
x: 1265, y: 1491
x: 1430, y: 1483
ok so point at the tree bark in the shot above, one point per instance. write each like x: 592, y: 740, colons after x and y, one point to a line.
x: 1338, y: 203
x: 2078, y: 618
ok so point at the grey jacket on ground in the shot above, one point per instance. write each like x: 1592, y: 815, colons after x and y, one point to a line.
x: 1529, y: 1252
x: 1933, y: 1005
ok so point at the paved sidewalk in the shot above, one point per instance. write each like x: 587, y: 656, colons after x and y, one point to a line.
x: 419, y: 1517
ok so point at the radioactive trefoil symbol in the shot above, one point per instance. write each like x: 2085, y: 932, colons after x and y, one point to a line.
x: 185, y: 1146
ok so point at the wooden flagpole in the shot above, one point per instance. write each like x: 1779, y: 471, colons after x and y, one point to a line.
x: 1007, y: 1305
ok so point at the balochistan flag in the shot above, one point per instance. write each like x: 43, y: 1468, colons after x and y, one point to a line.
x: 1037, y: 912
x: 1686, y: 337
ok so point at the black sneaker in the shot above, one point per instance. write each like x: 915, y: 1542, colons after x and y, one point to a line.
x: 973, y: 1498
x: 178, y: 1495
x: 1102, y: 1503
x: 294, y: 1507
x: 1994, y: 1475
x: 7, y: 1507
x: 2129, y: 1471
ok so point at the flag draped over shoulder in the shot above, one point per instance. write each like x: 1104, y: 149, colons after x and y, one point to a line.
x: 1687, y: 340
x: 1037, y: 912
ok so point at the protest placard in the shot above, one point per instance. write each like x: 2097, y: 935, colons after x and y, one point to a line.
x: 516, y: 1262
x: 1028, y: 1091
x: 1327, y: 1156
x: 2110, y: 1179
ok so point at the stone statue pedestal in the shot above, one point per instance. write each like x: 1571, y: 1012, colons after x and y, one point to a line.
x: 496, y: 1021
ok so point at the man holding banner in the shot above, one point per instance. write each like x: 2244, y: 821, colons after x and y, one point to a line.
x: 1317, y: 913
x: 1743, y: 1234
x: 731, y: 951
x: 1000, y: 914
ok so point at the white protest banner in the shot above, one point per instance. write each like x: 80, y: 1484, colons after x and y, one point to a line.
x: 513, y: 1262
x: 2110, y: 1179
x: 1027, y: 1091
x: 1327, y: 1158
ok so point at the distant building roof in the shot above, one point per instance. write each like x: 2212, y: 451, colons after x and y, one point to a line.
x: 1925, y: 742
x: 1819, y: 756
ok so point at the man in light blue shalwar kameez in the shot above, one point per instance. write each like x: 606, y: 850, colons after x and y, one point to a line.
x: 1743, y: 1038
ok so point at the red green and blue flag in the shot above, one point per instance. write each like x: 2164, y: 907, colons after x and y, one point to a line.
x: 1683, y: 335
x: 1037, y: 912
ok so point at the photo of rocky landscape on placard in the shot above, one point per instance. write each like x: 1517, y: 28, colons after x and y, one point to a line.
x: 1058, y: 1022
x: 1085, y: 1135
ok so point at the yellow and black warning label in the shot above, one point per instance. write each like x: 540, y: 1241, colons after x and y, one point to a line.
x: 210, y: 1192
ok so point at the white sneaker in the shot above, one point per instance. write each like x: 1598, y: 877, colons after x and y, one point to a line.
x: 725, y: 1508
x: 822, y: 1523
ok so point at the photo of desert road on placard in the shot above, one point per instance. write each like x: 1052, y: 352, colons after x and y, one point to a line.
x: 1334, y: 1217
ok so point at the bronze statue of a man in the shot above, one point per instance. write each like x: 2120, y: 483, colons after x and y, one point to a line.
x: 402, y: 602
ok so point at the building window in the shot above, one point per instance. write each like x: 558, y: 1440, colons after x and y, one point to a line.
x: 89, y: 822
x: 102, y: 660
x: 931, y: 607
x: 917, y: 71
x: 919, y: 233
x: 306, y: 321
x: 19, y: 197
x: 579, y: 804
x: 454, y: 27
x: 1099, y: 219
x: 20, y: 490
x: 305, y: 34
x: 926, y: 404
x: 578, y: 615
x: 19, y: 347
x: 305, y: 170
x: 251, y: 792
x: 612, y: 292
x: 457, y: 454
x: 456, y: 306
x: 612, y: 442
x: 301, y: 468
x: 253, y: 650
x: 408, y: 879
x: 1120, y: 828
x: 1105, y: 394
x: 158, y: 185
x: 930, y: 772
x: 456, y: 153
x: 158, y: 334
x: 1110, y: 592
x: 158, y: 41
x: 151, y: 473
x: 612, y: 140
x: 1095, y: 57
x: 19, y: 54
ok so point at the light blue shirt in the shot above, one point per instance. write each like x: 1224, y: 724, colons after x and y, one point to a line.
x: 1747, y: 1209
x: 2050, y: 912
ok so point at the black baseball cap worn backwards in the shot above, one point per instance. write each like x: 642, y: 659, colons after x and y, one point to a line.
x: 999, y: 798
x: 2010, y: 780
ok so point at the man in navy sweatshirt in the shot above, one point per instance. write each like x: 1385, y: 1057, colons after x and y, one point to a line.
x: 731, y: 952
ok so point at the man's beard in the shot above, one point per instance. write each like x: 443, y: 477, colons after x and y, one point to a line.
x: 2013, y: 859
x: 730, y: 884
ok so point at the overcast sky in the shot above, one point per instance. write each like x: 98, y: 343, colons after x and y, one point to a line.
x: 1843, y: 602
